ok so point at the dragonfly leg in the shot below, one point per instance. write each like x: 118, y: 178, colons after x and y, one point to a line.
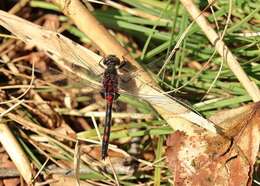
x: 100, y: 63
x: 123, y: 62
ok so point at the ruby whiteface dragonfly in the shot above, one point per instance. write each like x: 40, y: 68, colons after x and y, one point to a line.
x: 84, y: 64
x: 110, y: 93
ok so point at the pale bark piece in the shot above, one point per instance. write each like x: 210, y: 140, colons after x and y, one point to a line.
x: 15, y: 152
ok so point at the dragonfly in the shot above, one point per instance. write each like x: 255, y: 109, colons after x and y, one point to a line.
x: 110, y: 93
x: 75, y: 62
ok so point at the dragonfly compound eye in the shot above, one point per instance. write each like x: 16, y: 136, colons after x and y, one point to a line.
x: 111, y: 60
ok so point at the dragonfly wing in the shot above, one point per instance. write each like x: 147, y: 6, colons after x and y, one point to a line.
x: 76, y: 59
x: 77, y: 55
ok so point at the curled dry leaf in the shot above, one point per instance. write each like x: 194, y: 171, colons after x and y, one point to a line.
x: 217, y: 160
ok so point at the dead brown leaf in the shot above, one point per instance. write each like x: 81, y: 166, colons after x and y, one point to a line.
x: 226, y: 159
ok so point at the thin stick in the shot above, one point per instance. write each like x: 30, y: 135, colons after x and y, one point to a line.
x: 113, y: 170
x: 77, y: 162
x: 40, y: 170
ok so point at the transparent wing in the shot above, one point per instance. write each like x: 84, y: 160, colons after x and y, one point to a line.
x: 78, y: 59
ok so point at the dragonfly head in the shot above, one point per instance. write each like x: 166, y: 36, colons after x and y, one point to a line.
x: 111, y: 60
